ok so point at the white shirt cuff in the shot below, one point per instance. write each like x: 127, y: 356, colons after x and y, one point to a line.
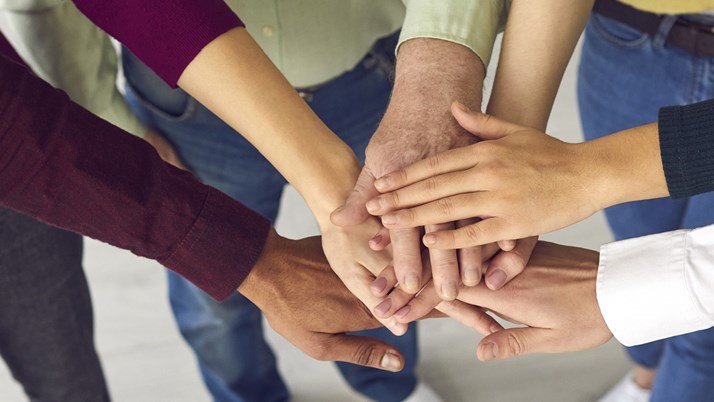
x: 644, y: 285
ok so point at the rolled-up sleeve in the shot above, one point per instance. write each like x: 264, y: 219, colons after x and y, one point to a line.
x: 165, y: 34
x: 472, y: 23
x: 658, y: 286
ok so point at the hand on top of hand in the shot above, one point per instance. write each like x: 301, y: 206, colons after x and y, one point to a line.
x: 520, y: 182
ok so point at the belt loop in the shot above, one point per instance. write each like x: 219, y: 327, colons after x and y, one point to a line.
x: 663, y: 31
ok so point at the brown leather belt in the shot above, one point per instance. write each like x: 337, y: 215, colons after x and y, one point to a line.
x: 694, y: 38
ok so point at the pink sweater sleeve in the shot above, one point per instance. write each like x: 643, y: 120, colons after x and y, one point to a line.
x: 165, y: 34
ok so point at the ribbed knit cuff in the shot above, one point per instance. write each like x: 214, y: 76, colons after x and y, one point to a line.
x: 686, y: 136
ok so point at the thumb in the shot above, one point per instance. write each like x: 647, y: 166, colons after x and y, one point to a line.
x: 363, y: 351
x: 354, y: 212
x: 484, y: 126
x: 515, y: 342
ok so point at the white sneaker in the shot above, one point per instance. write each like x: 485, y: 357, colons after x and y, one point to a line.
x: 423, y: 393
x: 626, y: 391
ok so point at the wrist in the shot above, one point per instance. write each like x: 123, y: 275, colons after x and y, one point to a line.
x: 626, y: 166
x: 257, y: 285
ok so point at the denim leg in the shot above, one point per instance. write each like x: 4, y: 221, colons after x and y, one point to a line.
x: 46, y: 323
x: 351, y: 106
x: 624, y: 78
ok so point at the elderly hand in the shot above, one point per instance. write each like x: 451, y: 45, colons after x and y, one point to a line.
x: 417, y: 125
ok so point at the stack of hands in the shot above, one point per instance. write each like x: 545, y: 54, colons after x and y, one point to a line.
x: 437, y: 241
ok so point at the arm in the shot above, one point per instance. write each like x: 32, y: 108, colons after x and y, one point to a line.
x: 441, y: 58
x: 565, y: 182
x: 64, y: 166
x: 529, y: 71
x: 641, y: 290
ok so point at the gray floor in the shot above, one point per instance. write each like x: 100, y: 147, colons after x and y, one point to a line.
x: 146, y: 361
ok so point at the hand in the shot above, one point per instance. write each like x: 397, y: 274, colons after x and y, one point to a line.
x: 519, y: 181
x: 418, y: 124
x: 164, y: 149
x: 356, y: 264
x: 305, y: 302
x: 554, y: 297
x: 502, y: 266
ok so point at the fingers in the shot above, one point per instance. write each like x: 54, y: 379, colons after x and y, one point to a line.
x: 406, y: 245
x: 446, y: 162
x: 518, y: 342
x: 424, y: 191
x: 473, y: 317
x: 483, y: 232
x: 482, y: 125
x: 353, y: 212
x: 507, y: 245
x: 360, y: 350
x: 380, y: 241
x: 449, y: 209
x: 508, y: 264
x: 444, y: 267
x: 470, y: 260
x: 421, y: 305
x: 385, y: 282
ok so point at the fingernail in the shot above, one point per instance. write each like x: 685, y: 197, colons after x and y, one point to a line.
x: 462, y: 107
x: 490, y: 350
x: 402, y: 312
x: 429, y: 240
x: 379, y: 285
x: 383, y: 307
x: 472, y: 276
x: 390, y: 219
x: 496, y: 279
x: 411, y: 283
x: 383, y: 183
x: 376, y: 239
x: 390, y: 362
x: 373, y: 205
x: 494, y: 328
x: 448, y: 291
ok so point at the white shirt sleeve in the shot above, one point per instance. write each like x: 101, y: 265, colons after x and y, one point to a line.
x: 657, y: 286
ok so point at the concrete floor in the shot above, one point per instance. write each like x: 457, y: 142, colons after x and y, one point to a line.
x: 145, y: 360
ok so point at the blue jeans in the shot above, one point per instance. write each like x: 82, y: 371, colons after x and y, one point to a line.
x: 235, y: 361
x: 624, y: 78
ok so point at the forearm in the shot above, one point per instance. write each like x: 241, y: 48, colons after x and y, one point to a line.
x: 538, y: 42
x: 430, y: 75
x: 235, y: 79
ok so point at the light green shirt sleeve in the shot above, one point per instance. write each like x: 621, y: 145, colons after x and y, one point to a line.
x: 65, y: 49
x: 472, y: 23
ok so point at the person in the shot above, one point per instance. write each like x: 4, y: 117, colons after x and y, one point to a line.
x: 56, y: 167
x: 381, y: 396
x: 414, y: 12
x: 568, y: 182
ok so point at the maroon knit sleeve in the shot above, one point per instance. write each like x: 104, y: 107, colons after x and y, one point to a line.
x: 69, y: 168
x: 165, y: 34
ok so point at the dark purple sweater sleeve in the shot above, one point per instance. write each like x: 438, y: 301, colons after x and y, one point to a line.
x: 67, y: 167
x: 165, y: 34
